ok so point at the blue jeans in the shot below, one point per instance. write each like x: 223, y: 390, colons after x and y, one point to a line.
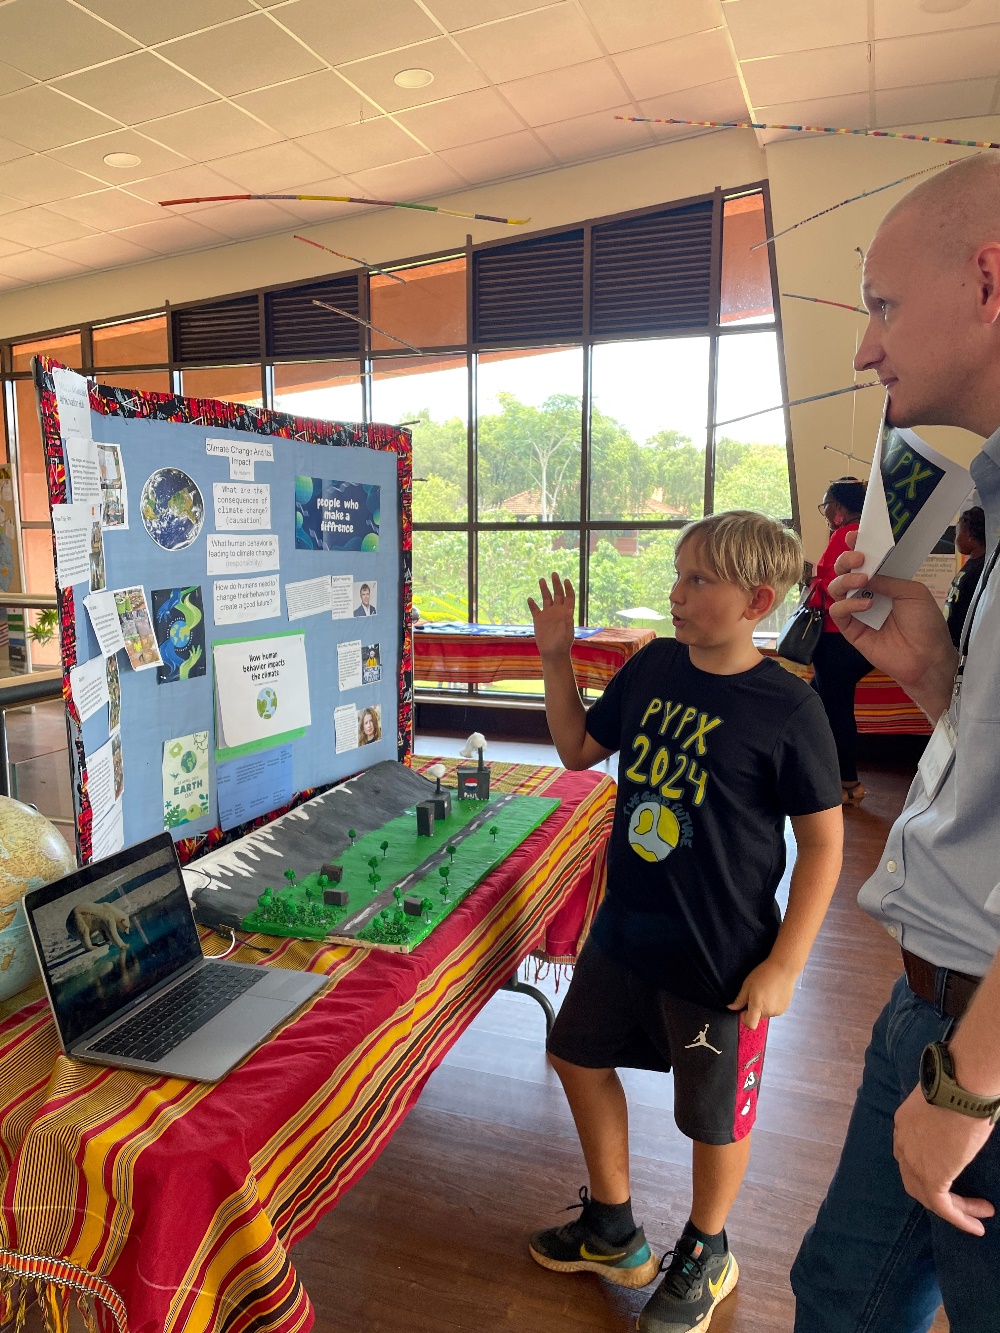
x: 876, y: 1261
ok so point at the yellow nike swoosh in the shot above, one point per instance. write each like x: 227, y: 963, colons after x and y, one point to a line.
x: 601, y: 1258
x: 716, y: 1287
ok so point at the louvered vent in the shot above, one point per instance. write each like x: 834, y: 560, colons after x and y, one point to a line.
x: 217, y: 332
x: 529, y: 290
x: 296, y: 327
x: 652, y: 274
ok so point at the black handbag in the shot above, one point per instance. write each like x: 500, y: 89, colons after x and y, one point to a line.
x: 799, y: 639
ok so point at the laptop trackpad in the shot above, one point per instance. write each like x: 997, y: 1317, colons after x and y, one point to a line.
x: 227, y: 1038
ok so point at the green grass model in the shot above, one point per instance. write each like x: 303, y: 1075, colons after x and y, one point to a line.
x: 401, y: 885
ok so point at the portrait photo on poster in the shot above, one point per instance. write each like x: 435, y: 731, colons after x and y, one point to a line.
x: 114, y: 694
x: 370, y: 724
x: 179, y: 621
x: 336, y: 515
x: 371, y: 664
x: 114, y: 493
x: 365, y: 598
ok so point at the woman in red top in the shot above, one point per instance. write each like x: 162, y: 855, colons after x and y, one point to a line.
x: 837, y: 664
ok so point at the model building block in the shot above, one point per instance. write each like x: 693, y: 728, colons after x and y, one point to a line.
x: 334, y: 873
x: 441, y: 801
x: 336, y: 897
x: 426, y: 814
x: 413, y: 904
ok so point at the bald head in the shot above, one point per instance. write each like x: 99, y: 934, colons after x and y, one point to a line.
x: 957, y: 210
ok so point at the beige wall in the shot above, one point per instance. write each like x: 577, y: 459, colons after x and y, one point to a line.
x: 806, y: 174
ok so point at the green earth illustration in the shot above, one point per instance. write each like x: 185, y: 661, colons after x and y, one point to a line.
x: 190, y: 761
x: 172, y: 508
x: 267, y: 702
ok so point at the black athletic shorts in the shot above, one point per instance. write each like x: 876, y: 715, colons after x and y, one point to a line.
x: 612, y: 1019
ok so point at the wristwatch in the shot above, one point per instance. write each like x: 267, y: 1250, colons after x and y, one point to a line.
x: 940, y: 1088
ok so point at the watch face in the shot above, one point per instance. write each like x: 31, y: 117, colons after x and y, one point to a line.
x: 929, y: 1071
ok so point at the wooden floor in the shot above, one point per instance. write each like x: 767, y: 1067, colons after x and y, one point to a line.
x: 433, y: 1238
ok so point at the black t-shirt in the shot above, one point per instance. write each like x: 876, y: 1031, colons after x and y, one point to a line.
x: 710, y: 766
x: 960, y: 594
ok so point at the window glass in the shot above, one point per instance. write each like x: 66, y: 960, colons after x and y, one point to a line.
x: 233, y: 384
x: 136, y: 342
x: 30, y: 458
x: 647, y: 429
x: 512, y: 561
x: 746, y: 270
x: 39, y: 572
x: 751, y: 456
x: 424, y: 305
x: 440, y: 575
x: 64, y: 347
x: 146, y: 381
x: 529, y: 437
x: 630, y: 577
x: 431, y: 393
x: 327, y: 390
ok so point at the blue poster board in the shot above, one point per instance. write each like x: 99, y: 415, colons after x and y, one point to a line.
x: 183, y: 461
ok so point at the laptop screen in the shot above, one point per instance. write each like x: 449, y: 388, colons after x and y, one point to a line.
x: 110, y: 932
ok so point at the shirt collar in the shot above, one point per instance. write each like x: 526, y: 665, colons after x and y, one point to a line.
x: 985, y: 467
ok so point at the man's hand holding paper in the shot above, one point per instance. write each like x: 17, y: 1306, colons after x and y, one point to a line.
x: 912, y: 644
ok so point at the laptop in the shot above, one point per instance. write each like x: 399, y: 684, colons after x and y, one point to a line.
x: 128, y: 983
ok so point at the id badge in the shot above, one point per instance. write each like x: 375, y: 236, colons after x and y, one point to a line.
x: 938, y: 755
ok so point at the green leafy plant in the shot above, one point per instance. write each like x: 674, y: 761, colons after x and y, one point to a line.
x: 42, y: 630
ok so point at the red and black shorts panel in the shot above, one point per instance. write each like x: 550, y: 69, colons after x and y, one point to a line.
x: 613, y: 1019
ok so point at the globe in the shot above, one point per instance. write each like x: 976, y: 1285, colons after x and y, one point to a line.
x: 172, y: 509
x: 267, y: 702
x: 32, y: 852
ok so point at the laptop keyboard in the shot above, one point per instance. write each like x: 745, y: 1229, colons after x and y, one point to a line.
x: 161, y: 1026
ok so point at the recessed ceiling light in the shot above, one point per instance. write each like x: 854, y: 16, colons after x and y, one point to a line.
x: 413, y: 78
x: 942, y: 6
x: 121, y: 160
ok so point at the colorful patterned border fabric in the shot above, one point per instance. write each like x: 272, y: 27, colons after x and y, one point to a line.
x: 881, y: 707
x: 216, y: 414
x: 459, y: 659
x: 175, y: 1205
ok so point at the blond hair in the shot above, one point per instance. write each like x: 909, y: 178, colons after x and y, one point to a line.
x: 749, y: 549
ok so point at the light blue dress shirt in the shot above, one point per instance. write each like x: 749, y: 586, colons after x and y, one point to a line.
x: 937, y: 889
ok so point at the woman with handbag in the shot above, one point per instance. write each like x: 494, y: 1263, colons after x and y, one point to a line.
x: 837, y: 664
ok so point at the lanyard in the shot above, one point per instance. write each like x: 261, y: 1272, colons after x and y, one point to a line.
x: 970, y: 616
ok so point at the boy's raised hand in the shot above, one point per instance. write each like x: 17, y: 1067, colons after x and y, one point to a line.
x: 555, y: 619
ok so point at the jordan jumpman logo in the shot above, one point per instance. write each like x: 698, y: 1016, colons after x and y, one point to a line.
x: 702, y: 1040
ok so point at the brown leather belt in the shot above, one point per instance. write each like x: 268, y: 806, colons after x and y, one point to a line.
x: 949, y: 991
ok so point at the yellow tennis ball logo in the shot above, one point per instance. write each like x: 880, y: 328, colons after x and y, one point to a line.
x: 653, y: 831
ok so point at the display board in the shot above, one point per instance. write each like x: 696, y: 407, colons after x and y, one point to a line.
x: 235, y: 592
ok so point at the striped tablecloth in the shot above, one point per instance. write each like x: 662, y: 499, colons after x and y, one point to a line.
x: 172, y: 1207
x: 880, y: 706
x: 485, y: 658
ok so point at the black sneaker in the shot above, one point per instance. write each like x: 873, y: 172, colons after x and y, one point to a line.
x: 694, y: 1282
x: 574, y: 1248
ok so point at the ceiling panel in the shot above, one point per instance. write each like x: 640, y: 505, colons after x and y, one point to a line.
x: 9, y: 205
x: 209, y: 131
x: 933, y: 102
x: 38, y: 180
x: 419, y: 178
x: 105, y: 210
x: 359, y: 147
x: 531, y: 43
x: 685, y: 62
x: 186, y: 183
x: 243, y: 55
x: 39, y: 266
x: 303, y: 106
x: 456, y: 14
x: 169, y: 235
x: 971, y: 53
x: 150, y: 21
x: 898, y: 18
x: 308, y: 212
x: 827, y: 72
x: 49, y: 37
x: 595, y: 135
x: 100, y: 252
x: 851, y: 112
x: 135, y: 88
x: 11, y: 247
x: 626, y: 26
x: 253, y: 217
x: 12, y: 79
x: 341, y: 30
x: 462, y: 120
x: 38, y: 226
x: 89, y: 156
x: 282, y: 166
x: 776, y: 27
x: 563, y: 93
x: 9, y: 151
x: 496, y: 159
x: 40, y: 118
x: 714, y: 101
x: 453, y: 72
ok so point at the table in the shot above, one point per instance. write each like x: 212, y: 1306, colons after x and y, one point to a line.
x: 483, y: 657
x: 881, y: 707
x: 172, y: 1207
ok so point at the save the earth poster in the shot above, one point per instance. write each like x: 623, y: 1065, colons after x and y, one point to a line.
x: 179, y: 619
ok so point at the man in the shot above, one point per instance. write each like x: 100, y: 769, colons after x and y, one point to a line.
x: 366, y: 608
x: 910, y: 1217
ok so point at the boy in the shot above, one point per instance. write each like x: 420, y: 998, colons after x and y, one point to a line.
x: 688, y: 957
